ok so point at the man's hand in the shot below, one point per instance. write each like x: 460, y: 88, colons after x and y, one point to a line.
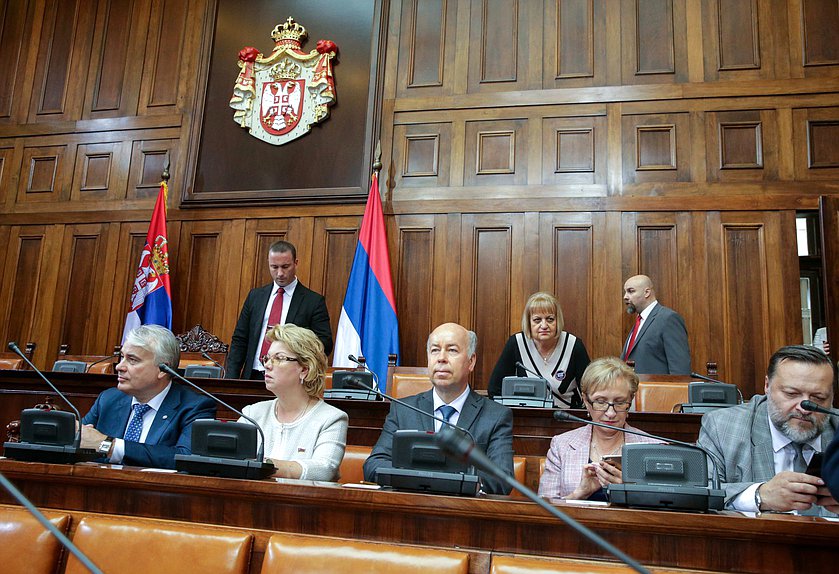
x: 91, y: 437
x: 826, y: 499
x: 790, y: 491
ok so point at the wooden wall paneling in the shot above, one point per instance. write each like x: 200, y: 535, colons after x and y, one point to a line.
x: 116, y: 61
x: 656, y: 148
x: 45, y: 172
x: 16, y: 19
x: 735, y: 39
x: 28, y: 299
x: 495, y: 153
x: 6, y: 168
x: 575, y: 43
x: 654, y: 47
x: 574, y: 152
x: 743, y: 146
x: 63, y: 57
x: 816, y: 143
x: 101, y: 171
x: 422, y: 155
x: 334, y: 241
x: 427, y: 37
x: 148, y: 159
x: 259, y: 235
x: 500, y: 35
x: 829, y: 227
x: 487, y: 247
x: 85, y: 289
x: 819, y: 21
x: 418, y: 242
x: 566, y: 243
x: 204, y: 277
x: 168, y: 49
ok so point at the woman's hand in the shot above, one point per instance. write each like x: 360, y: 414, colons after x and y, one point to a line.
x: 607, y: 473
x: 589, y: 483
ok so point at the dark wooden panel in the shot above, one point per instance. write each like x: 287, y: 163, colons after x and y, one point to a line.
x: 114, y: 58
x: 741, y: 145
x: 198, y: 265
x: 656, y: 148
x: 654, y: 37
x: 658, y: 258
x: 575, y: 39
x: 738, y: 35
x: 820, y: 20
x: 148, y: 159
x: 21, y: 286
x: 574, y: 151
x: 12, y: 34
x: 414, y: 288
x: 572, y: 265
x: 499, y: 39
x: 495, y: 153
x: 815, y: 148
x: 163, y: 70
x: 824, y: 144
x: 427, y: 31
x: 43, y: 178
x: 423, y: 154
x: 94, y: 175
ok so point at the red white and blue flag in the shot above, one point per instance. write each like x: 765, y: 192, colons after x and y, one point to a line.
x: 368, y: 324
x: 151, y: 297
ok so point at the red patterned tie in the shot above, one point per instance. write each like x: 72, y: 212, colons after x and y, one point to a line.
x: 634, y: 334
x: 273, y: 319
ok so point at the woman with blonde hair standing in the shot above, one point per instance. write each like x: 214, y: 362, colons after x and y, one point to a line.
x: 304, y: 437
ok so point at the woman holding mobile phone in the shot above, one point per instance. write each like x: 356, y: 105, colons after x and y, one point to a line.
x: 582, y: 462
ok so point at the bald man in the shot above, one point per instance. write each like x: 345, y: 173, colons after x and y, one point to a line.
x: 451, y: 357
x: 658, y: 341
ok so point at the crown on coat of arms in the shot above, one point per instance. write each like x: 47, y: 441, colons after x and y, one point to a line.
x: 290, y: 30
x: 285, y: 70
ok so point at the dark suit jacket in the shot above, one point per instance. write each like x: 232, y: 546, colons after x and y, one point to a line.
x: 489, y: 422
x: 661, y: 346
x: 307, y: 309
x: 830, y: 467
x: 170, y: 433
x: 741, y: 439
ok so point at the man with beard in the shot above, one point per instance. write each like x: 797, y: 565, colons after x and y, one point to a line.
x: 764, y: 446
x: 658, y: 342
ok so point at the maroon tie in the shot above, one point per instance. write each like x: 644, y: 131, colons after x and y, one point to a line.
x: 273, y: 319
x: 634, y: 334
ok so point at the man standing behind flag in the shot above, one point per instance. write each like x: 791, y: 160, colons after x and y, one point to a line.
x: 151, y: 297
x: 368, y: 324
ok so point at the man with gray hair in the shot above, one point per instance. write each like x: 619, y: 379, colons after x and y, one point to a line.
x: 451, y: 357
x: 765, y: 445
x: 146, y: 420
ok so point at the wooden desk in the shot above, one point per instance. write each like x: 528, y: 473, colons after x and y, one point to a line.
x: 727, y: 543
x: 532, y: 428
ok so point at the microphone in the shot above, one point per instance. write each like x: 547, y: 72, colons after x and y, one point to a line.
x: 207, y: 356
x: 460, y: 445
x: 565, y: 416
x: 811, y: 406
x: 25, y: 502
x: 260, y: 451
x: 363, y: 364
x: 710, y: 380
x: 538, y: 376
x: 102, y: 360
x: 77, y: 440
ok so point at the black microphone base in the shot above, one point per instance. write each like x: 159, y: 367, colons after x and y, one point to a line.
x: 48, y: 453
x: 528, y: 402
x: 661, y: 497
x: 702, y: 408
x: 223, y: 467
x: 429, y: 482
x: 351, y: 394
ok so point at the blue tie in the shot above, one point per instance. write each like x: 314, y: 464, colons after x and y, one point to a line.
x: 135, y: 426
x: 447, y: 411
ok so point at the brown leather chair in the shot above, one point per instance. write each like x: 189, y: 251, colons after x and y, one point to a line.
x: 95, y: 363
x: 351, y: 469
x: 532, y: 565
x: 519, y: 473
x: 129, y: 545
x: 407, y: 381
x: 661, y: 393
x: 12, y: 362
x: 294, y: 553
x: 26, y: 547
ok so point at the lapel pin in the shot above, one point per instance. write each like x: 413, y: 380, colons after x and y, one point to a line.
x: 165, y: 417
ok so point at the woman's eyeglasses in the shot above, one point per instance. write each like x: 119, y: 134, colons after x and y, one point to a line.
x: 270, y: 360
x: 603, y: 405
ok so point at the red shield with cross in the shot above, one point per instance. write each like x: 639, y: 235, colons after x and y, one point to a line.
x: 282, y: 105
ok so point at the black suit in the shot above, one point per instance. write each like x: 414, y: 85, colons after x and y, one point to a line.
x: 830, y: 466
x: 307, y: 309
x: 489, y: 422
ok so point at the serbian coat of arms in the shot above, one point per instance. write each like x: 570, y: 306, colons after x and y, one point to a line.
x: 279, y: 97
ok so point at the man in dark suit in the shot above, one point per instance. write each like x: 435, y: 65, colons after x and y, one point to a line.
x: 830, y: 467
x: 285, y: 300
x: 451, y: 357
x: 658, y: 342
x: 766, y: 444
x: 147, y: 419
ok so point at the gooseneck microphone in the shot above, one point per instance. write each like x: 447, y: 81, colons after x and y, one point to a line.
x: 207, y: 356
x: 717, y: 381
x: 260, y: 451
x: 66, y: 542
x: 811, y: 406
x: 102, y: 360
x: 459, y: 445
x: 715, y: 479
x: 538, y: 376
x: 77, y: 440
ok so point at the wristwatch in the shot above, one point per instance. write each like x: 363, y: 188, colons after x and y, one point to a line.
x: 758, y: 500
x: 105, y: 446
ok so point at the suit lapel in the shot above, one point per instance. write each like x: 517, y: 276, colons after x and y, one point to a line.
x: 296, y: 302
x: 471, y: 409
x: 165, y: 415
x: 425, y: 403
x: 646, y: 323
x: 763, y: 457
x: 122, y: 412
x: 261, y: 304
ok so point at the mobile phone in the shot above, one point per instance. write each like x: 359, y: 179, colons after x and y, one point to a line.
x: 815, y: 466
x: 614, y: 460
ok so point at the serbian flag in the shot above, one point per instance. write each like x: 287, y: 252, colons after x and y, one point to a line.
x: 368, y: 324
x: 151, y: 296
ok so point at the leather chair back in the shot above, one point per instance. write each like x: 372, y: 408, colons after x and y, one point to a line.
x: 139, y: 545
x: 295, y: 553
x: 25, y: 546
x: 352, y: 466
